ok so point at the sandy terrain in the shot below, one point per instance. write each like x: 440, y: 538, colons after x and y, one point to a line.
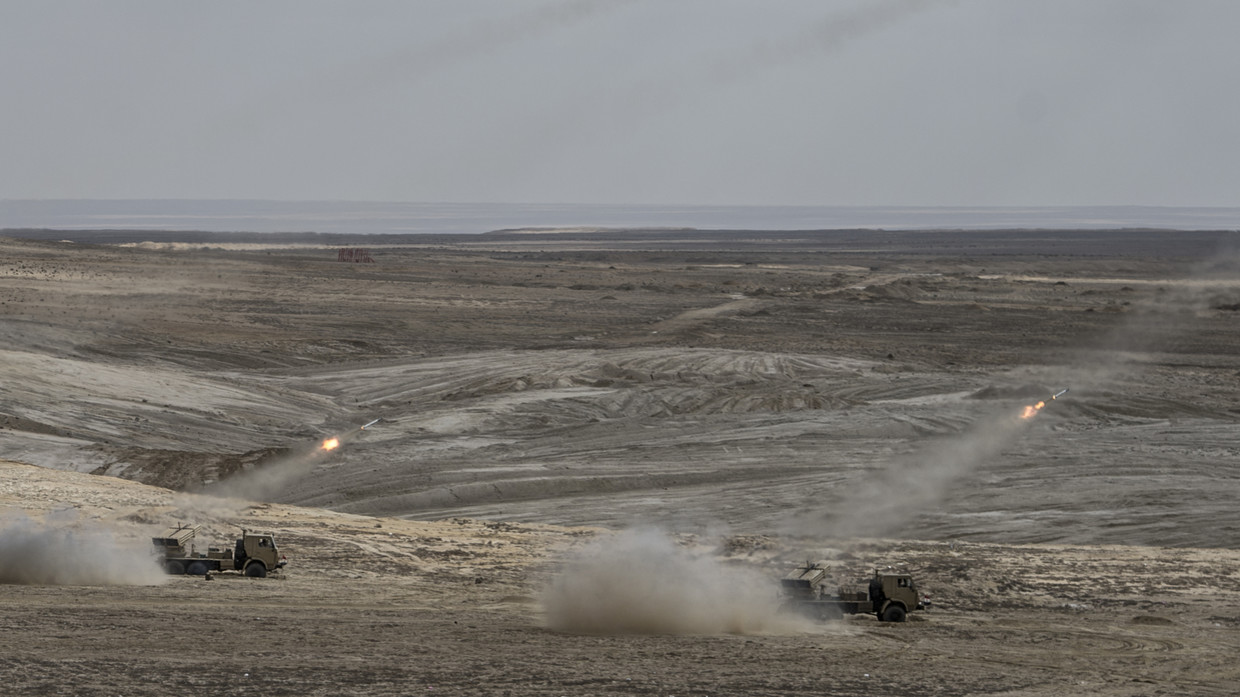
x: 757, y: 398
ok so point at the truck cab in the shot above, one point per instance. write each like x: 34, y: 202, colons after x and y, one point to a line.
x: 894, y: 596
x: 256, y: 553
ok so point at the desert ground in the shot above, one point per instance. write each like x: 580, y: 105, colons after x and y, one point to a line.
x: 598, y: 451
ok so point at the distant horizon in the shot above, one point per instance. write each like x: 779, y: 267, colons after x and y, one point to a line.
x: 395, y: 217
x: 696, y: 204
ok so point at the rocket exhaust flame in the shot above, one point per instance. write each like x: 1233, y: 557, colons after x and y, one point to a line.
x: 261, y: 483
x: 1029, y: 411
x: 334, y: 442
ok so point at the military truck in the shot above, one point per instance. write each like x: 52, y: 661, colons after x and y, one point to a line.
x: 889, y: 596
x: 254, y: 553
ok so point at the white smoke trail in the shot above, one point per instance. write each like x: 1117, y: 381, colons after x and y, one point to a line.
x: 262, y: 483
x: 60, y: 551
x: 883, y: 503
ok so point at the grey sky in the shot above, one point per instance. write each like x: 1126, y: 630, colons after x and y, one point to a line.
x: 837, y: 102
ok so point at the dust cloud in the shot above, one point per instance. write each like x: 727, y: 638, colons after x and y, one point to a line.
x: 1171, y: 315
x: 642, y: 582
x: 59, y: 551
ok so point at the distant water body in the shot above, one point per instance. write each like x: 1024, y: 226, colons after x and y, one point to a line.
x: 474, y: 218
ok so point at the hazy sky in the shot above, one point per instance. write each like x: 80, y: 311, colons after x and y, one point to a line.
x: 835, y: 102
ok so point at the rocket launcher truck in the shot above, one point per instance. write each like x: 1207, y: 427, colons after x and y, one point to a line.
x: 254, y: 553
x: 889, y: 596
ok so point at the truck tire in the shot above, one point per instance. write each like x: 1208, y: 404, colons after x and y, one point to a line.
x: 175, y: 568
x: 255, y: 569
x: 893, y: 613
x: 197, y: 568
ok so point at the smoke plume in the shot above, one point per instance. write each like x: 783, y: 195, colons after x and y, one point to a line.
x: 1174, y: 312
x: 834, y: 32
x: 59, y: 551
x: 263, y: 483
x: 641, y: 582
x: 827, y: 35
x: 399, y: 69
x: 884, y: 503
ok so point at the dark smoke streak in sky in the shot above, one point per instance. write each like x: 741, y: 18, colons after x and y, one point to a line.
x: 832, y: 33
x: 402, y: 69
x: 624, y: 110
x: 825, y: 36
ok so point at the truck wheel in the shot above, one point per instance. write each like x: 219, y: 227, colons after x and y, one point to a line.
x: 893, y: 613
x: 175, y: 568
x: 197, y: 568
x: 255, y: 570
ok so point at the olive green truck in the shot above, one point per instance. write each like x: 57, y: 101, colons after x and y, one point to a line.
x: 254, y: 553
x: 889, y: 596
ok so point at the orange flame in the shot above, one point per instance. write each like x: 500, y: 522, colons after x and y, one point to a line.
x: 330, y: 444
x: 1031, y: 410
